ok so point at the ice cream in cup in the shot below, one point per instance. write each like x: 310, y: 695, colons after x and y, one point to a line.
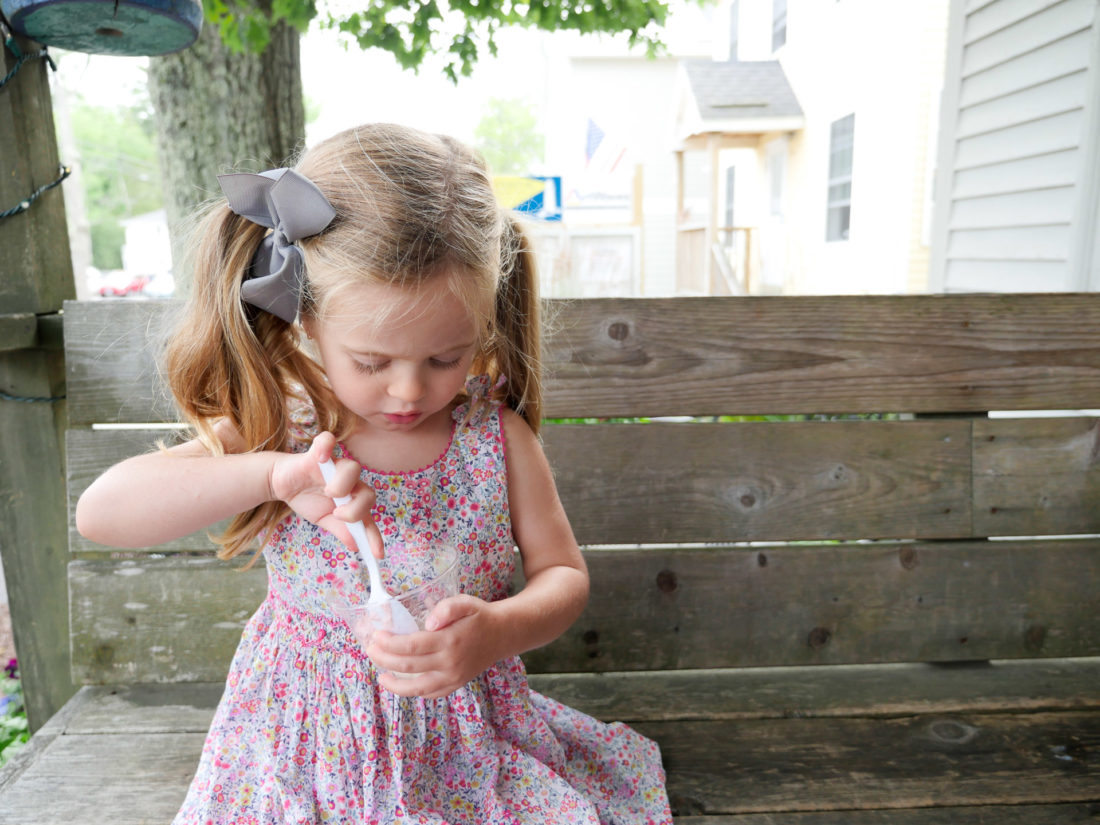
x: 418, y: 574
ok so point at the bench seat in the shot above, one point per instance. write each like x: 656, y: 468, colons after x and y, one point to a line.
x: 830, y: 585
x: 903, y: 744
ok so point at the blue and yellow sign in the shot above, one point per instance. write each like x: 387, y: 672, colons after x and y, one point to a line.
x: 537, y: 197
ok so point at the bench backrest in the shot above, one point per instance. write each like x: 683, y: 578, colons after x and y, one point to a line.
x: 777, y: 530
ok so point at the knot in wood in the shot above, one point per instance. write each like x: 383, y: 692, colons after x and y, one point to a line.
x: 1035, y: 636
x: 819, y: 637
x: 748, y: 500
x: 618, y: 331
x: 666, y: 581
x: 908, y: 557
x: 761, y: 560
x: 951, y: 731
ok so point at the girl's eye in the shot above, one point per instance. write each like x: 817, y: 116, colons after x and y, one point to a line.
x: 368, y: 369
x: 448, y: 364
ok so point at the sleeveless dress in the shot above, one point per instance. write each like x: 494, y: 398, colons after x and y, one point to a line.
x: 305, y: 734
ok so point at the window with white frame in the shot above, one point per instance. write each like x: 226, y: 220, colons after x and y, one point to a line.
x: 838, y: 212
x: 779, y: 23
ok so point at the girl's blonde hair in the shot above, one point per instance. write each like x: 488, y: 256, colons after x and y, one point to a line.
x: 412, y: 210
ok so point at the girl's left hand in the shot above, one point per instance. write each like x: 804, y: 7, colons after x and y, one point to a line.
x: 462, y: 641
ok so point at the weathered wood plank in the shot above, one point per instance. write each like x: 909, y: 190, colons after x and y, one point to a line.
x: 118, y: 778
x: 55, y: 726
x: 713, y: 356
x: 664, y: 608
x: 835, y: 690
x: 863, y: 691
x: 36, y: 271
x: 176, y: 707
x: 853, y: 764
x: 661, y: 482
x: 90, y: 453
x: 835, y: 604
x: 18, y: 331
x: 159, y: 620
x: 773, y: 765
x: 110, y: 354
x: 33, y: 544
x: 36, y: 276
x: 1072, y: 814
x: 1036, y: 476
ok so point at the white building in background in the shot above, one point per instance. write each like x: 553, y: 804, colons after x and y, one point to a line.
x: 828, y: 192
x: 1019, y: 176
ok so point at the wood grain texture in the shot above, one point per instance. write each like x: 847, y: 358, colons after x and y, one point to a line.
x: 730, y: 768
x: 33, y: 543
x: 89, y: 453
x: 1084, y: 813
x: 111, y: 358
x: 666, y: 482
x: 180, y: 618
x: 863, y: 691
x: 714, y: 356
x: 855, y: 764
x: 116, y: 778
x: 1036, y: 476
x: 662, y: 482
x: 833, y: 604
x: 838, y: 690
x: 175, y: 619
x: 18, y: 331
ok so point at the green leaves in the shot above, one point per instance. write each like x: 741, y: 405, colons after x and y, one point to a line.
x: 13, y: 717
x: 413, y: 29
x: 508, y: 137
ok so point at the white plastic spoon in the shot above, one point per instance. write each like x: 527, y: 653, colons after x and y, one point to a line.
x: 383, y: 608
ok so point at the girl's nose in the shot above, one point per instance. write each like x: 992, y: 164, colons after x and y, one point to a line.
x: 407, y: 386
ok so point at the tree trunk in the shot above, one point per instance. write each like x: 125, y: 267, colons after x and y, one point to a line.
x: 219, y: 112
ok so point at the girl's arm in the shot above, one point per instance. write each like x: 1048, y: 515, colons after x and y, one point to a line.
x: 160, y: 496
x: 471, y: 634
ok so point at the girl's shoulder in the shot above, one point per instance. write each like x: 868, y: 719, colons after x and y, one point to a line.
x: 478, y: 409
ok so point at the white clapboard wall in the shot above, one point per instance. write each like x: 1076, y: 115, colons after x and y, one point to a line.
x: 1018, y: 178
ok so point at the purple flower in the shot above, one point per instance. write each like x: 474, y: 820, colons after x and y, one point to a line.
x: 11, y: 669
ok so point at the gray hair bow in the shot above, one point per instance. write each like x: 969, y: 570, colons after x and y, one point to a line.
x: 292, y: 206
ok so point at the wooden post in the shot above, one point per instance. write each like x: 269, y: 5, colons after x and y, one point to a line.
x: 679, y: 245
x: 35, y: 277
x: 713, y: 144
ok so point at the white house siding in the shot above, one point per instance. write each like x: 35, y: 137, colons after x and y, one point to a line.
x: 1018, y: 149
x: 882, y: 62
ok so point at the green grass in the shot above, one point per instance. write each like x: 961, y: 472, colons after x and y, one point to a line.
x: 13, y: 714
x: 732, y: 419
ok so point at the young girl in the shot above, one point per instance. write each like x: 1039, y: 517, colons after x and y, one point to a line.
x: 420, y: 379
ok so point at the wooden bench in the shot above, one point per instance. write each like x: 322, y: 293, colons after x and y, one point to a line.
x: 812, y: 617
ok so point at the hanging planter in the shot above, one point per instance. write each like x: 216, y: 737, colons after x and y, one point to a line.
x: 120, y: 27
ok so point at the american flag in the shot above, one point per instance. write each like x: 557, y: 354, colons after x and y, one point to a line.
x: 593, y: 141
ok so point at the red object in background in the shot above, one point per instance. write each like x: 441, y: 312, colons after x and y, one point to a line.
x: 132, y: 288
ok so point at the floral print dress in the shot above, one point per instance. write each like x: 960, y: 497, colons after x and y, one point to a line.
x: 305, y: 734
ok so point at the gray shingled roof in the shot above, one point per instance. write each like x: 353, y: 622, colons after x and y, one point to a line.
x: 734, y: 89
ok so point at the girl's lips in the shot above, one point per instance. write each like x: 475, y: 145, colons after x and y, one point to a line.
x: 402, y: 418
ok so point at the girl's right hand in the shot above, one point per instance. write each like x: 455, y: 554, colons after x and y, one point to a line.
x: 296, y: 479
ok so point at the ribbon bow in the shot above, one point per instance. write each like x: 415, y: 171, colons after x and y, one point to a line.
x: 292, y: 206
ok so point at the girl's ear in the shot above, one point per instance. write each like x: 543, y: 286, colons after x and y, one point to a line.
x: 309, y: 324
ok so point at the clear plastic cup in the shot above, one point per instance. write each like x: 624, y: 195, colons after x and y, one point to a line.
x: 419, y: 576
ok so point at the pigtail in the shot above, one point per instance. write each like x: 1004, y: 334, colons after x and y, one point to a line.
x: 228, y: 360
x: 516, y: 340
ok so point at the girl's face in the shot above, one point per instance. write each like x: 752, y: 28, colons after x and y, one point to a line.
x: 394, y: 356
